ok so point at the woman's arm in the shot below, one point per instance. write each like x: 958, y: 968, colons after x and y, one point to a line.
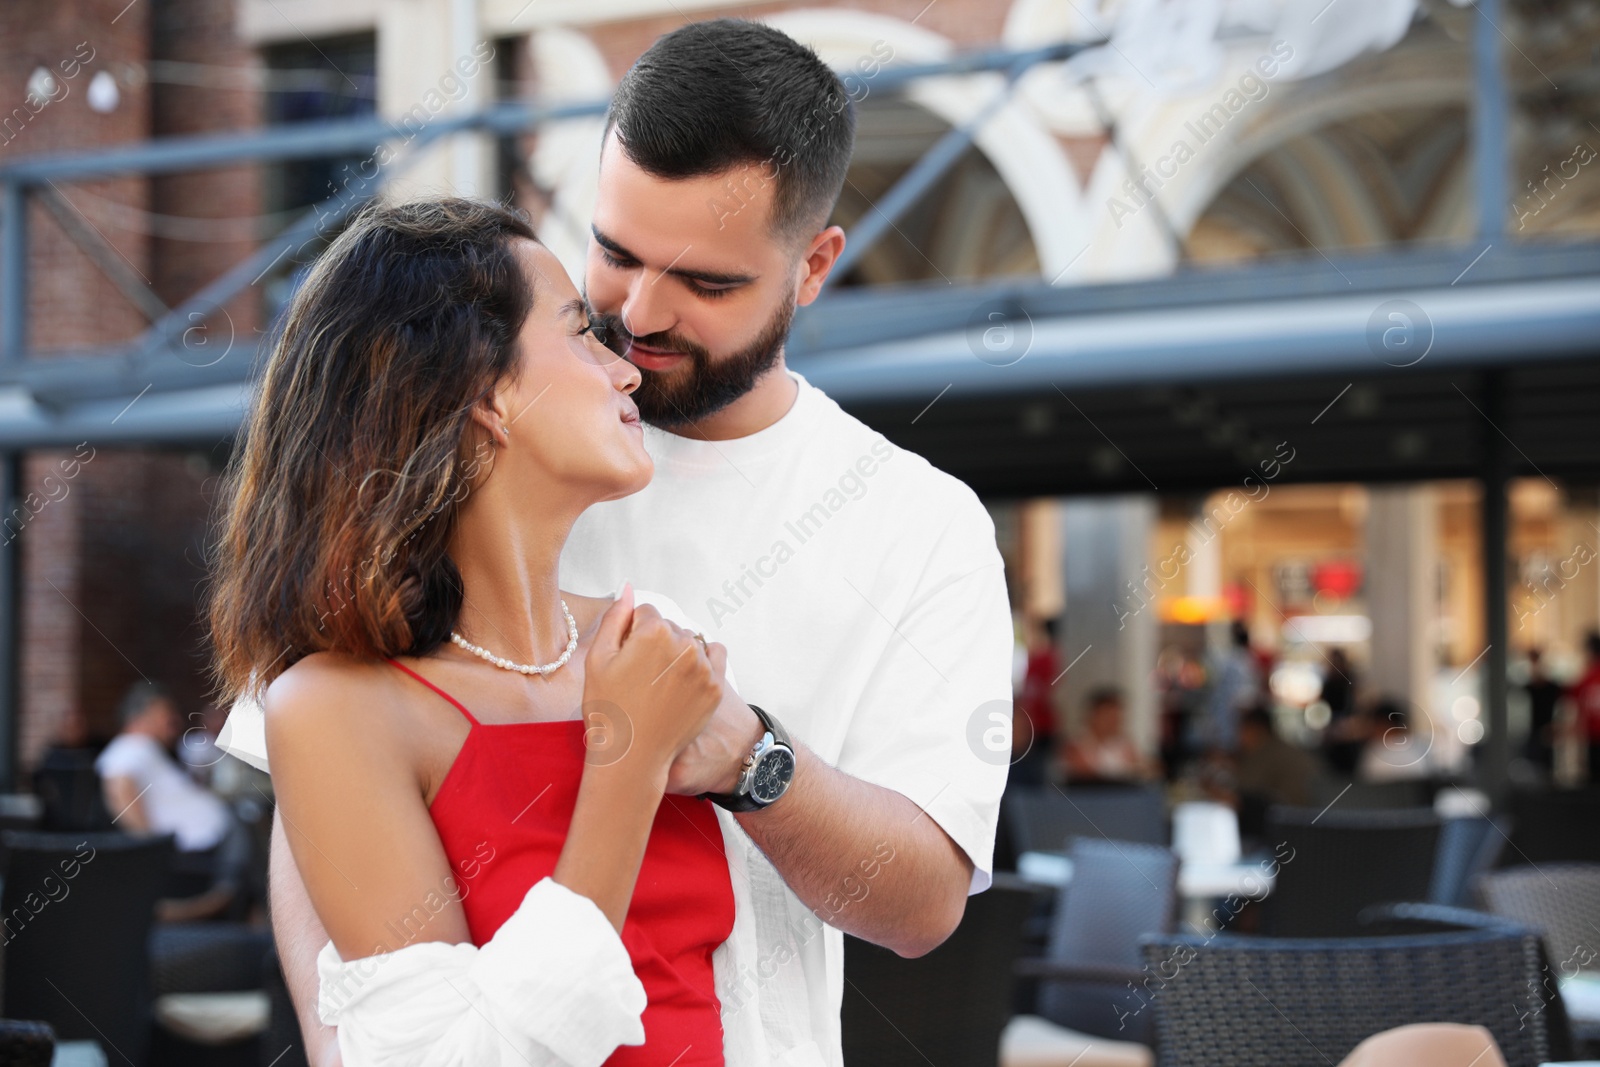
x: 400, y: 980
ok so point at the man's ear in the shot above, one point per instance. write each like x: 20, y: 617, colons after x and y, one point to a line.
x: 820, y: 256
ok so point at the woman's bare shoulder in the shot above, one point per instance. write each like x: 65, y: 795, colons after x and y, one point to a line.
x: 328, y: 693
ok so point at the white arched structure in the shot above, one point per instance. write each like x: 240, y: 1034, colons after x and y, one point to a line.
x: 1027, y: 157
x: 1126, y: 238
x: 567, y: 159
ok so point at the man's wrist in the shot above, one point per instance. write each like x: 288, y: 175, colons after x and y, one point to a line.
x: 752, y: 736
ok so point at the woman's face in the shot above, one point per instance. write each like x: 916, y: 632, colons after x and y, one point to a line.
x: 567, y: 414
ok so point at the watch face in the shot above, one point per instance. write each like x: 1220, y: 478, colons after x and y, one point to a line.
x: 772, y: 775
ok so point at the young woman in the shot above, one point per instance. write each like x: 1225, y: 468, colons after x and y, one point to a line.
x: 469, y: 762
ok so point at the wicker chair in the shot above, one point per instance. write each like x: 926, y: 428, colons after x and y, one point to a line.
x: 1560, y: 900
x: 1566, y: 1035
x: 26, y: 1044
x: 1370, y: 796
x: 1120, y: 891
x: 1467, y: 848
x: 1231, y: 1001
x: 1555, y: 825
x: 1334, y: 863
x: 84, y: 954
x: 70, y: 792
x: 1044, y: 818
x: 947, y: 1007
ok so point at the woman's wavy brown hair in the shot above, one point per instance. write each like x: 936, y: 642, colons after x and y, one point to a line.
x: 338, y: 506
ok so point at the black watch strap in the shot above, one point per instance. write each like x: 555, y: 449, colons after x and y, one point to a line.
x: 740, y: 802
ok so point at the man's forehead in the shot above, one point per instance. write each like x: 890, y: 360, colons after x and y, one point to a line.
x: 717, y: 222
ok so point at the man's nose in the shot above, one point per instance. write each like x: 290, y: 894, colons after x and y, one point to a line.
x: 647, y: 308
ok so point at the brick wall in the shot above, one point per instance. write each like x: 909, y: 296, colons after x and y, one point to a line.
x: 112, y: 562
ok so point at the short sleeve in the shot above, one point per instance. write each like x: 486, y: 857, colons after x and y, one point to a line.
x: 127, y: 756
x: 934, y: 722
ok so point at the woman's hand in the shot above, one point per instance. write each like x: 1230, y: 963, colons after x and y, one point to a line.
x: 649, y: 688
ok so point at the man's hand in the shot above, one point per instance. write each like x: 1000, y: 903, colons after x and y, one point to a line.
x: 714, y: 759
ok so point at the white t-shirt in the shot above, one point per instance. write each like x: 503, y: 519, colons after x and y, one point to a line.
x: 862, y: 595
x: 171, y: 799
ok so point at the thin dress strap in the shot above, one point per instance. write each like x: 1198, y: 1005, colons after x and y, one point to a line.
x: 459, y: 706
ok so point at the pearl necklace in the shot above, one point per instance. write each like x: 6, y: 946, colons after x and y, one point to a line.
x: 524, y: 668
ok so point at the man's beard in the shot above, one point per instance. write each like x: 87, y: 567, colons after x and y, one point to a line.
x: 700, y: 385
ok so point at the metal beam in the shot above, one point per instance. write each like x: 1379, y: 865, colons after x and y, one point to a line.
x: 337, y: 137
x: 10, y: 597
x: 1496, y: 754
x: 926, y: 172
x: 312, y: 140
x: 1489, y: 136
x: 13, y: 272
x: 102, y: 253
x: 274, y: 144
x: 867, y: 323
x: 167, y: 333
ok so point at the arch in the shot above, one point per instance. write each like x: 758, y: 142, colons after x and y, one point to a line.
x: 1028, y: 159
x: 567, y: 156
x: 1131, y: 242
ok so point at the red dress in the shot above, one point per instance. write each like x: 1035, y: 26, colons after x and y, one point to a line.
x: 502, y: 813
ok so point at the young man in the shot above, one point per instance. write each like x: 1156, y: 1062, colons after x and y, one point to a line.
x: 858, y: 590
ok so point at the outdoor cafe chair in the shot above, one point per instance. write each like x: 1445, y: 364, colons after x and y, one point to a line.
x: 1334, y: 863
x: 79, y: 909
x: 1043, y: 818
x: 1236, y: 1001
x: 947, y: 1007
x: 1120, y: 891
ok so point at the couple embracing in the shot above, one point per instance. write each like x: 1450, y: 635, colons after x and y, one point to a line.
x: 608, y: 670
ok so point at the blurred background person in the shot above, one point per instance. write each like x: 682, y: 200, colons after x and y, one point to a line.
x: 1034, y: 733
x: 1345, y: 736
x: 1270, y: 769
x: 1544, y: 696
x: 1181, y: 685
x: 1235, y: 686
x: 146, y: 790
x: 1396, y: 749
x: 1585, y: 695
x: 1101, y: 751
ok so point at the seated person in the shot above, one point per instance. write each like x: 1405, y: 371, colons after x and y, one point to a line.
x: 148, y: 792
x: 1101, y: 751
x: 1270, y: 770
x: 145, y: 788
x: 1395, y: 750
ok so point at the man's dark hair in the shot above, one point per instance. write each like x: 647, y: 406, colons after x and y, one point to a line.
x: 711, y: 96
x: 1391, y: 714
x: 1101, y: 695
x: 1241, y: 634
x: 1259, y: 716
x: 1591, y: 642
x: 140, y: 696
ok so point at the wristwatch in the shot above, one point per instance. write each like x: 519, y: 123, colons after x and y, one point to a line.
x: 768, y: 770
